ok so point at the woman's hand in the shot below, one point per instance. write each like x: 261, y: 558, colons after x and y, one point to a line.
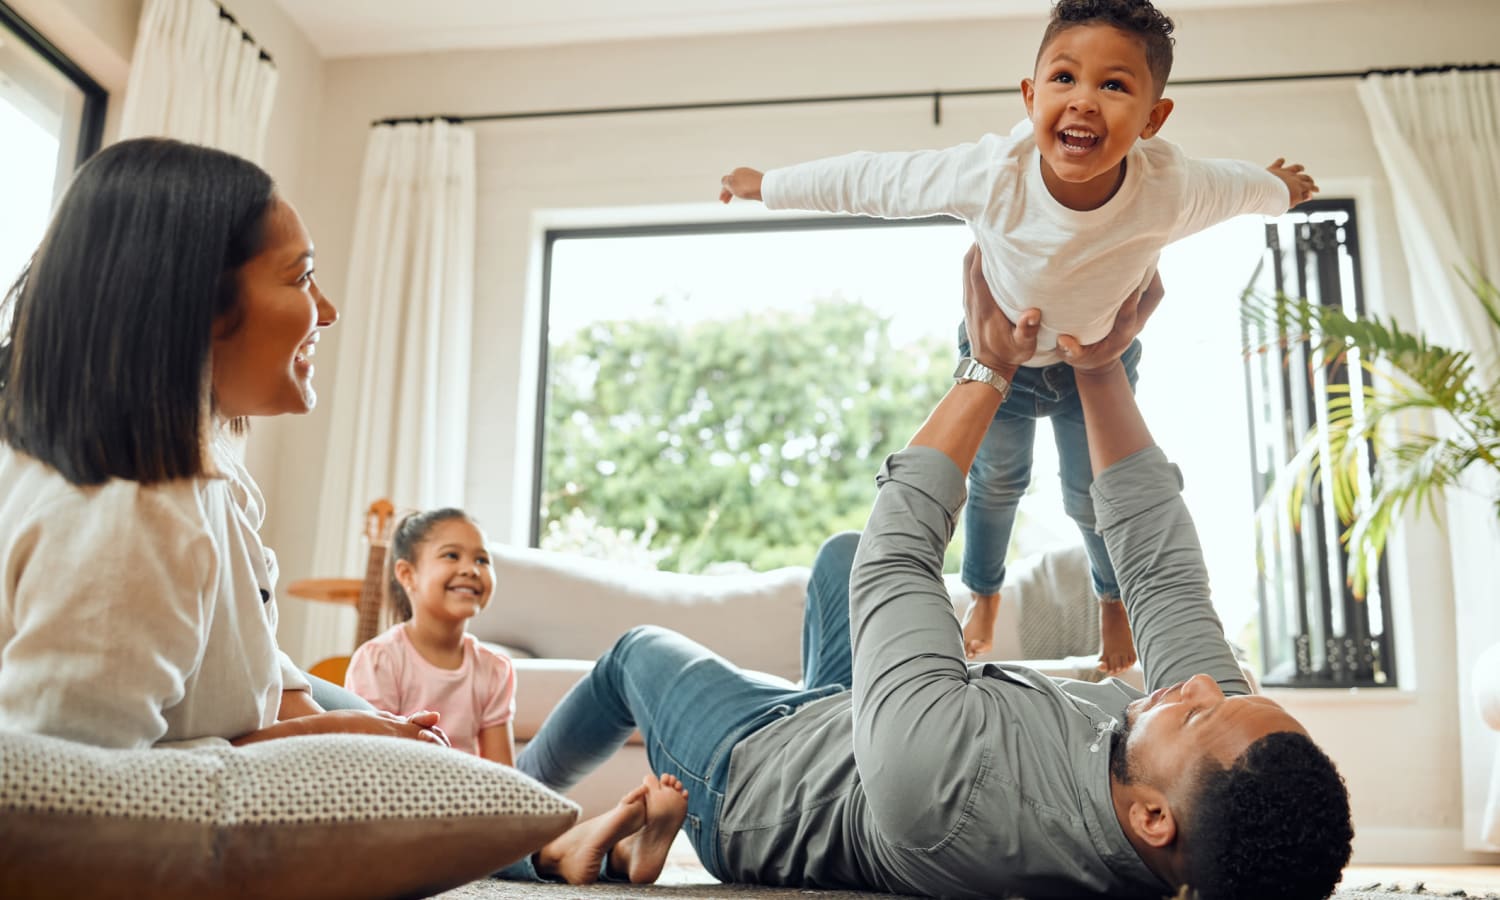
x: 427, y: 722
x: 993, y: 339
x: 1131, y: 318
x: 421, y: 726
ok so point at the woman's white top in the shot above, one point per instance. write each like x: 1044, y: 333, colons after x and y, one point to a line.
x: 132, y: 615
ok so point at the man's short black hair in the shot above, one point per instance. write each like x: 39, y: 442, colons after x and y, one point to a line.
x: 1273, y: 824
x: 1136, y: 17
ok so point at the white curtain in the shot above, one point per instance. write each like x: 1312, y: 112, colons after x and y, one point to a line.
x: 400, y: 397
x: 195, y: 76
x: 1438, y: 136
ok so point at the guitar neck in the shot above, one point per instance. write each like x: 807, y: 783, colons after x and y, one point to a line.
x: 371, y: 595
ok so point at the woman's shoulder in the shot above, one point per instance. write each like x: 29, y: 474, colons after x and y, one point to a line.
x: 237, y: 480
x: 31, y: 492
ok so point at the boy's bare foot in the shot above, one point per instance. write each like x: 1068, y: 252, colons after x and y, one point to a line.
x: 642, y: 855
x: 1118, y: 648
x: 575, y: 857
x: 979, y: 624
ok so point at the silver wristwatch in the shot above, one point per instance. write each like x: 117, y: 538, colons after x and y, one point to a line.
x: 970, y: 369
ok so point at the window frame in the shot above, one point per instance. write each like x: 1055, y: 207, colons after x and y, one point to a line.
x: 666, y: 229
x: 1385, y: 640
x: 95, y: 97
x: 1349, y: 655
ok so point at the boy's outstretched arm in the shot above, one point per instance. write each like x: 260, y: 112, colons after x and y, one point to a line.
x: 742, y: 183
x: 1299, y: 184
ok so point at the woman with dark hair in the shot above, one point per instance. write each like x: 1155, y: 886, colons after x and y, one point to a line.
x: 172, y: 295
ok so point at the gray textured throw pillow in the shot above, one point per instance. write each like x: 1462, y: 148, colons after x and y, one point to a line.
x: 322, y: 816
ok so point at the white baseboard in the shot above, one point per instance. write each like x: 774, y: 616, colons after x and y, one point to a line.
x: 1395, y: 846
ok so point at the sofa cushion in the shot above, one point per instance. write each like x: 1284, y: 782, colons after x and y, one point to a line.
x: 560, y: 605
x: 320, y: 816
x: 541, y: 684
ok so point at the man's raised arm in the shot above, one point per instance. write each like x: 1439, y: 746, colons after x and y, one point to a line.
x: 1146, y: 526
x: 918, y: 720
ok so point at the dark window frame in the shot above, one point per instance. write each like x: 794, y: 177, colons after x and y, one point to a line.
x: 1329, y: 629
x: 1359, y: 653
x: 95, y: 97
x: 755, y: 226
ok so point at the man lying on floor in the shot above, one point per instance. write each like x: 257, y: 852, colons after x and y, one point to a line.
x: 900, y: 767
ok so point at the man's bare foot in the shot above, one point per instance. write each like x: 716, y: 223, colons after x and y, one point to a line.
x: 979, y: 624
x: 642, y: 855
x: 1118, y: 648
x: 575, y: 857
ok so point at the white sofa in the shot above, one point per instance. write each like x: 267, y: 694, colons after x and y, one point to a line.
x: 557, y: 613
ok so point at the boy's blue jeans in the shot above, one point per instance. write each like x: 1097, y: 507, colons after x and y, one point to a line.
x: 691, y: 705
x: 1002, y: 472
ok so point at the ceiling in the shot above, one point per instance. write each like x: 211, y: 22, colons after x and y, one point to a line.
x: 375, y: 27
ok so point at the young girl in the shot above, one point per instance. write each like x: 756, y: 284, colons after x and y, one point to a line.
x: 440, y: 577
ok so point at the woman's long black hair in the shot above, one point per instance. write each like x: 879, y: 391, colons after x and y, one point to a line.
x: 106, y: 338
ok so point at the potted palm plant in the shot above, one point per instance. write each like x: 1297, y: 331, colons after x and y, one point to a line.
x: 1415, y: 460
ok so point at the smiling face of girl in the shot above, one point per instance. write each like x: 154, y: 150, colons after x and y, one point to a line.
x: 450, y: 577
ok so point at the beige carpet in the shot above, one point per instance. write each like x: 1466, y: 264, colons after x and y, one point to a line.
x: 685, y: 879
x: 484, y: 890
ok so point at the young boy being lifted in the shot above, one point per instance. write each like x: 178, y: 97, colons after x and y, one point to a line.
x: 1071, y: 211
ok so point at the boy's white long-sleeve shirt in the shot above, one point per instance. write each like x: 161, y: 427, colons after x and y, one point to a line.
x: 133, y: 615
x: 1076, y: 267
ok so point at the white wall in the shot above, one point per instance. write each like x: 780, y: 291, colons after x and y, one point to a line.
x: 1398, y: 752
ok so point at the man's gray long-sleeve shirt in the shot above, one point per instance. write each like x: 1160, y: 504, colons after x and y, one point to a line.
x: 932, y: 776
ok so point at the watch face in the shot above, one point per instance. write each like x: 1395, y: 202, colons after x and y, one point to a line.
x: 973, y: 370
x: 970, y: 369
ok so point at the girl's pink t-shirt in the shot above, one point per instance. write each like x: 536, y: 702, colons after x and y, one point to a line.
x: 388, y: 671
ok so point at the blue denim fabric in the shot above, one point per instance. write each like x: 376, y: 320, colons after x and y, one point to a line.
x: 331, y: 696
x: 691, y: 705
x: 1002, y: 472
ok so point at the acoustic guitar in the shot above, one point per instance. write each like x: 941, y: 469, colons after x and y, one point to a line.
x: 372, y: 612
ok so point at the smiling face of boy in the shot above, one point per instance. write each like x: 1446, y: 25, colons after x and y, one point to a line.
x: 1092, y: 98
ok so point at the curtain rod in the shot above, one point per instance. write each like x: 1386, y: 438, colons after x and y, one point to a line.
x: 935, y: 96
x: 244, y: 35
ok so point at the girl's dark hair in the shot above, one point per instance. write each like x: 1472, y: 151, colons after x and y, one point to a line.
x: 106, y: 338
x: 410, y: 533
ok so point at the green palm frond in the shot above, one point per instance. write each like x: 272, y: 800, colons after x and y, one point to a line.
x: 1487, y: 292
x: 1406, y: 375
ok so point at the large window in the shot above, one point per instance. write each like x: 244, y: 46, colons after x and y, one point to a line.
x: 723, y: 396
x: 718, y: 396
x: 51, y: 117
